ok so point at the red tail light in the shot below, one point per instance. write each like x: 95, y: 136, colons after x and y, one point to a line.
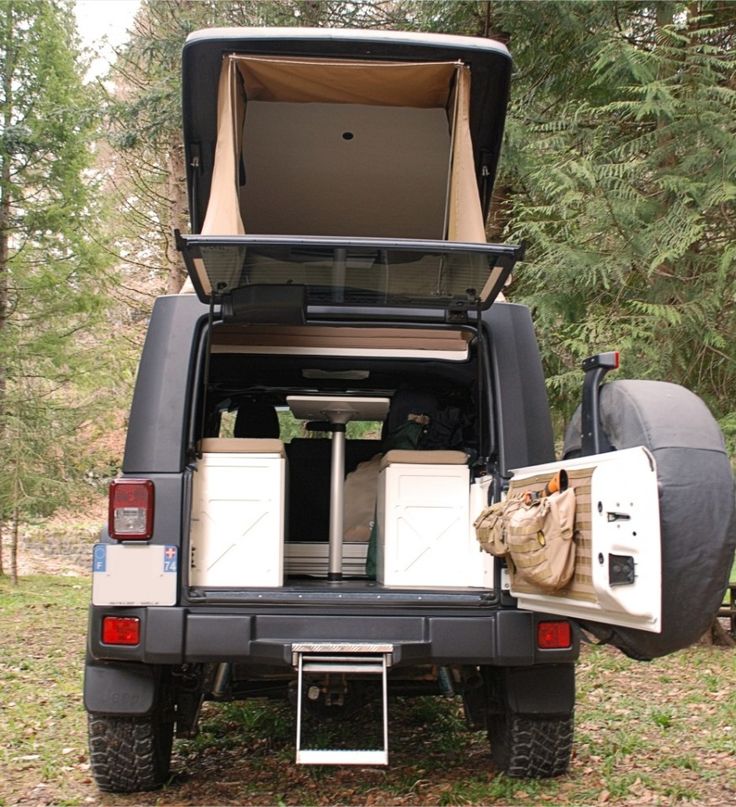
x: 131, y: 509
x: 121, y: 630
x: 554, y: 635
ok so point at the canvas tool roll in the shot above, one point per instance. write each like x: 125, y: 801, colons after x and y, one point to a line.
x: 535, y: 532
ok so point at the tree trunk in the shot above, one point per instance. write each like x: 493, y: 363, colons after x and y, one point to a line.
x: 177, y: 197
x: 717, y: 636
x: 14, y: 550
x: 5, y: 210
x: 7, y: 120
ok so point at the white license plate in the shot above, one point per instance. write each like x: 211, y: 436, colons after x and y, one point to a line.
x: 134, y: 574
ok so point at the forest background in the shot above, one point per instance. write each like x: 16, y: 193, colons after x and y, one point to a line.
x: 618, y: 170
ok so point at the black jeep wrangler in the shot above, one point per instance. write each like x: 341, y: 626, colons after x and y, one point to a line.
x: 337, y: 395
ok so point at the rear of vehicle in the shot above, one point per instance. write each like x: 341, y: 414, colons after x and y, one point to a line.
x: 318, y: 422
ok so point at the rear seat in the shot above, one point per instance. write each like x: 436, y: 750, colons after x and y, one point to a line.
x: 310, y: 463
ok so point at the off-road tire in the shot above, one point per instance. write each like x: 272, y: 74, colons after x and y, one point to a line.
x: 129, y: 754
x: 526, y: 747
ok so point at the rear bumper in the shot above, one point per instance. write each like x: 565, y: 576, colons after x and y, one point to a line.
x: 177, y: 635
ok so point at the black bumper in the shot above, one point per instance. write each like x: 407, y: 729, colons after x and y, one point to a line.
x: 177, y: 635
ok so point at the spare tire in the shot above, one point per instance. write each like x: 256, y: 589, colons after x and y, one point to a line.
x: 696, y: 503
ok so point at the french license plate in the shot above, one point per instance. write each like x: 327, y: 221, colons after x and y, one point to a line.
x: 134, y: 574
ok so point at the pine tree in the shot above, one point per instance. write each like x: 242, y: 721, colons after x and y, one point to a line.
x: 145, y: 127
x: 623, y: 186
x: 50, y: 265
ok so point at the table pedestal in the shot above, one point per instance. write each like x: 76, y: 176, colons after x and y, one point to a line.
x: 337, y: 501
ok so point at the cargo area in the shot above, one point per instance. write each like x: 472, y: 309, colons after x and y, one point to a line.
x: 263, y: 486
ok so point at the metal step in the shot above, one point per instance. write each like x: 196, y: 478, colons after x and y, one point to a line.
x: 338, y: 658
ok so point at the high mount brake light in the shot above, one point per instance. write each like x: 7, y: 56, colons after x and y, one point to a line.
x: 131, y: 509
x: 554, y: 635
x: 121, y: 630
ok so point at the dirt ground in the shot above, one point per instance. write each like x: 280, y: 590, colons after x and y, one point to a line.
x: 657, y: 733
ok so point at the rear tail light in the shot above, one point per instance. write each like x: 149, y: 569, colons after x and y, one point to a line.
x: 121, y: 630
x: 554, y: 635
x: 131, y: 509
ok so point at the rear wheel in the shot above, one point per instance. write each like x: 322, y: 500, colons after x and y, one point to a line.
x: 129, y: 754
x: 526, y: 747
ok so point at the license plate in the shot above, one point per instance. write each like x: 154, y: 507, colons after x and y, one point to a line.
x: 134, y: 574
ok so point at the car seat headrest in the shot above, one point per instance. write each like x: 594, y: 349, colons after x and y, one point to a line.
x: 256, y: 419
x: 406, y: 402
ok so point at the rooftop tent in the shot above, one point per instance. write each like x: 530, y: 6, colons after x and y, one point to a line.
x: 344, y: 147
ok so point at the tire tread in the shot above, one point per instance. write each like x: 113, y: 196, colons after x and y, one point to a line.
x: 526, y: 747
x: 127, y: 754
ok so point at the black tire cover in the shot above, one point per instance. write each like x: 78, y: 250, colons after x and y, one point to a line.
x: 696, y: 500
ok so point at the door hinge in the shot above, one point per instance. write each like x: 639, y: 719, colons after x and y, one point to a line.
x: 457, y: 310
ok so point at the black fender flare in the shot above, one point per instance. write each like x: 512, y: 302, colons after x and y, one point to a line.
x: 543, y: 690
x: 120, y: 688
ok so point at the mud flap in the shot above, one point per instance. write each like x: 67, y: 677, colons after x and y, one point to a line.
x: 120, y: 689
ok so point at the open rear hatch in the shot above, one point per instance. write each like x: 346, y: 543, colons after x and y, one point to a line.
x: 280, y: 278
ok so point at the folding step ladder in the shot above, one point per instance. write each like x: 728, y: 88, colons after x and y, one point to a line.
x: 343, y: 659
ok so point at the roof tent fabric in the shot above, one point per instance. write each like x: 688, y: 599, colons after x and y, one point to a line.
x: 223, y: 210
x: 339, y: 81
x: 465, y: 215
x: 419, y: 85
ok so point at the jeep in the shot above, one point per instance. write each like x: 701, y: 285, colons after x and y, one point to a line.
x: 337, y: 395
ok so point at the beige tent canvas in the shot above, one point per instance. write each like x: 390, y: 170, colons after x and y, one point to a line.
x: 344, y: 148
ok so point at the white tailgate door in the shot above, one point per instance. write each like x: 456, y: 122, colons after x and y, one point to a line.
x: 618, y: 575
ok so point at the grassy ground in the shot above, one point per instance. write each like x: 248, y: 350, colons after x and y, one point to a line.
x: 659, y: 733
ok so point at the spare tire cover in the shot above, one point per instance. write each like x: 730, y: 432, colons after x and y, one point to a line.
x: 696, y: 501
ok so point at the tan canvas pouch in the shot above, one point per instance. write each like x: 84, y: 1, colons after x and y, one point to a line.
x: 491, y: 526
x: 540, y: 540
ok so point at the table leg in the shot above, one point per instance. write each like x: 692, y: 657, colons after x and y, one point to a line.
x: 337, y: 494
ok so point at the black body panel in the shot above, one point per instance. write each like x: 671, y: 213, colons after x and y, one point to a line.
x: 159, y: 416
x: 264, y: 636
x: 524, y: 426
x: 169, y: 509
